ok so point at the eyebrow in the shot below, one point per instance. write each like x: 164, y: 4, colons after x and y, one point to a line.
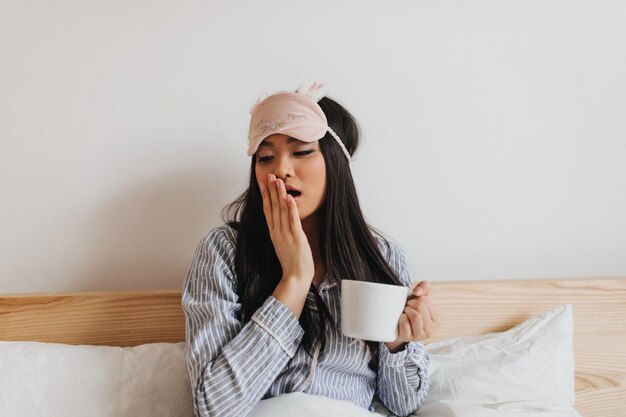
x: 271, y: 145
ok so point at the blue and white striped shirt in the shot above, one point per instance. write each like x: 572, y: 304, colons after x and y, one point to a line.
x: 232, y: 366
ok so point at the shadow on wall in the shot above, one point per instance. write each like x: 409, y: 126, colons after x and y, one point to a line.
x: 146, y: 237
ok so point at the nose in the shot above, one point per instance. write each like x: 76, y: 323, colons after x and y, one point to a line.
x: 284, y: 167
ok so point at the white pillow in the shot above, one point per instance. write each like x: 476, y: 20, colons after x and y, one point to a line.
x: 57, y: 380
x: 525, y: 371
x: 528, y: 368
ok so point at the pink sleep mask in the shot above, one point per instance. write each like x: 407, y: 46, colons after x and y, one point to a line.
x: 293, y: 114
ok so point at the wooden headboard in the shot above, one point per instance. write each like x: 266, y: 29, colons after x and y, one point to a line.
x: 467, y: 307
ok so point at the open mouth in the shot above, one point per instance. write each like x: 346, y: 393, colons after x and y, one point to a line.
x: 296, y: 194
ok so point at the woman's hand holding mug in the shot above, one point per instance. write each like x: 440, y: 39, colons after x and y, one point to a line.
x: 418, y: 321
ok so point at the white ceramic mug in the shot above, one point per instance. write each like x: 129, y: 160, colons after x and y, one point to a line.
x: 370, y: 311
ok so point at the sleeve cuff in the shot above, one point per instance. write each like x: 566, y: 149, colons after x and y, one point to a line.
x: 411, y: 350
x: 276, y: 319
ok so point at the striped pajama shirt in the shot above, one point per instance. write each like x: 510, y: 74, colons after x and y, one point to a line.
x: 232, y: 365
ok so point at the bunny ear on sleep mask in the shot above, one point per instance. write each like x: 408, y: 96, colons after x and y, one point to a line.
x: 314, y: 89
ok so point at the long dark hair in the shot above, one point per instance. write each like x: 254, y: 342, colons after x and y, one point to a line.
x: 347, y: 244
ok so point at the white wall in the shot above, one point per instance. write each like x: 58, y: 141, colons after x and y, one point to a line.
x: 494, y: 132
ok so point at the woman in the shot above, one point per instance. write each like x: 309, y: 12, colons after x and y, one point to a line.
x: 261, y: 297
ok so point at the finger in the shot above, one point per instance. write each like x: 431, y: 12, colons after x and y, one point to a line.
x: 425, y: 288
x: 274, y: 203
x: 432, y: 320
x: 426, y: 318
x: 294, y: 217
x: 416, y: 302
x: 404, y: 328
x: 421, y: 289
x: 284, y: 211
x: 434, y: 315
x: 418, y: 291
x: 266, y: 204
x: 423, y: 307
x: 417, y: 323
x: 427, y: 321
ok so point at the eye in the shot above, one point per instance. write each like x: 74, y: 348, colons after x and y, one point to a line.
x: 266, y: 159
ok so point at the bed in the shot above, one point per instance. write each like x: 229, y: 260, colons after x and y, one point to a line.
x: 134, y: 318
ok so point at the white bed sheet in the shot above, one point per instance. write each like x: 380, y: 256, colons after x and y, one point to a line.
x: 300, y: 404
